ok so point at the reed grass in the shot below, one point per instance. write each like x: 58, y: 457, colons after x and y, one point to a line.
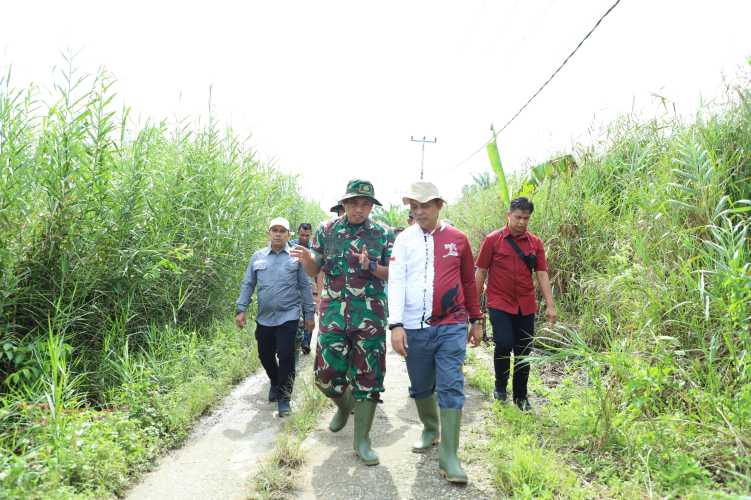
x: 648, y: 246
x: 122, y: 246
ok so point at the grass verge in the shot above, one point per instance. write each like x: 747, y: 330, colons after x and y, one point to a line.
x: 522, y: 461
x: 550, y: 452
x: 94, y: 452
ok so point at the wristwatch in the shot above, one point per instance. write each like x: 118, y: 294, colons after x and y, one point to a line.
x: 372, y: 266
x: 472, y: 321
x: 396, y: 325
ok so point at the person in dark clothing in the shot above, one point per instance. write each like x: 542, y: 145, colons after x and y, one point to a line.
x: 338, y: 209
x: 508, y: 258
x: 304, y: 335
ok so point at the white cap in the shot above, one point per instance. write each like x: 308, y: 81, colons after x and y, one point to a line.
x: 279, y: 221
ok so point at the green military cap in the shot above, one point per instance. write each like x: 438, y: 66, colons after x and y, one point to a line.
x: 360, y: 187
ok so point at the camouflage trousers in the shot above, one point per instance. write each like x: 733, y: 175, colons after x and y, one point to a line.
x: 350, y: 356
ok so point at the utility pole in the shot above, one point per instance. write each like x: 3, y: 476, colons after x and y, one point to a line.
x: 423, y: 141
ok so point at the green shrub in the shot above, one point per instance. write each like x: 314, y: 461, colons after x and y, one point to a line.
x: 94, y: 452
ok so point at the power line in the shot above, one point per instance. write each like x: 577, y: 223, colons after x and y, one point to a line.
x: 495, y: 134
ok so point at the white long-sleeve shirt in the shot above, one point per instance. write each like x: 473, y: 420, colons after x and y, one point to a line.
x: 431, y: 278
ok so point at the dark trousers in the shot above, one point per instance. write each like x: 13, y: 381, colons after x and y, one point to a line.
x: 512, y: 332
x: 278, y: 342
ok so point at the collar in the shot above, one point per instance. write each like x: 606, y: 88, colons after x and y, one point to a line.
x: 268, y: 250
x: 505, y: 232
x: 439, y: 227
x: 365, y: 225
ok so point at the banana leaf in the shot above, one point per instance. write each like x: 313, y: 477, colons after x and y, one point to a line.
x: 495, y: 162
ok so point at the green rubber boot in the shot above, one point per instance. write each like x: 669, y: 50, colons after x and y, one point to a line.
x: 344, y: 403
x: 448, y: 461
x: 364, y: 413
x: 427, y: 409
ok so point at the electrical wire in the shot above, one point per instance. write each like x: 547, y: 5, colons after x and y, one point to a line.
x: 495, y: 134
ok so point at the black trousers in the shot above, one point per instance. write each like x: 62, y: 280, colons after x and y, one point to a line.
x: 512, y: 332
x: 278, y: 342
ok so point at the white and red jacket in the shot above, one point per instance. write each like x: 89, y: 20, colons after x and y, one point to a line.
x: 432, y: 278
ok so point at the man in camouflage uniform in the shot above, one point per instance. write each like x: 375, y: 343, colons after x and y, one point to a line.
x: 353, y: 252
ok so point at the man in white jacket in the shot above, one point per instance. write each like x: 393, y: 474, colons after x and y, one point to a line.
x: 431, y: 295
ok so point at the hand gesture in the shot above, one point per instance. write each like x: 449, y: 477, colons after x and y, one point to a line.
x: 399, y: 341
x: 301, y: 253
x: 363, y: 257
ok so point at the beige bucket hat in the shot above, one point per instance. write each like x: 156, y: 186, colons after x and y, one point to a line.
x: 422, y: 192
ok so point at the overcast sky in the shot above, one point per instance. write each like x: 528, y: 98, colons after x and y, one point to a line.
x: 332, y: 90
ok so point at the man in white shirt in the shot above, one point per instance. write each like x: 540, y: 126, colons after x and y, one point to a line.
x: 432, y: 294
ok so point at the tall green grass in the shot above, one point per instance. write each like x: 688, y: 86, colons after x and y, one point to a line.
x: 121, y: 245
x: 648, y: 246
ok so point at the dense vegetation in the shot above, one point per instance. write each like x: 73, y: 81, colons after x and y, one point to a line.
x: 121, y: 250
x: 648, y: 244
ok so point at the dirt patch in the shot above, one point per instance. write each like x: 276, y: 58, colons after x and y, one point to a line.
x: 551, y: 374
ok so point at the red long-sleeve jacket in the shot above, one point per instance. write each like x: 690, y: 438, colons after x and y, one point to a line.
x: 431, y: 278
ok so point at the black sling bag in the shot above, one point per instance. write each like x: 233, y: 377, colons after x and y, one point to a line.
x: 530, y: 260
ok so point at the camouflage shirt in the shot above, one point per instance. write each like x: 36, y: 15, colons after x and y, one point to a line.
x: 336, y: 246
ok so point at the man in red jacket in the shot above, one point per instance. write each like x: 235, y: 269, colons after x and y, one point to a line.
x: 508, y: 258
x: 432, y: 294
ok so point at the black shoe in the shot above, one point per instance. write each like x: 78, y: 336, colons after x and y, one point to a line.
x: 283, y: 407
x: 523, y: 404
x: 500, y: 395
x: 305, y: 349
x: 273, y: 393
